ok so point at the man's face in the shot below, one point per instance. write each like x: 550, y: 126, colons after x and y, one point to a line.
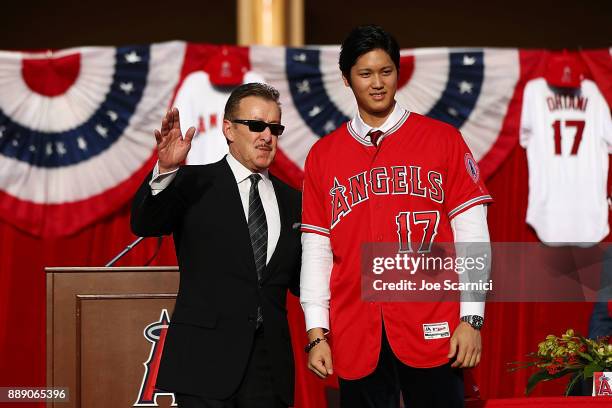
x: 374, y: 82
x: 255, y: 150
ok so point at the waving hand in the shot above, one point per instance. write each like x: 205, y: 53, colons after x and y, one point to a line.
x: 172, y: 147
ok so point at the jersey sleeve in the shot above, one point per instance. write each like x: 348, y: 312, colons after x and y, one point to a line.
x: 314, y: 199
x: 465, y: 187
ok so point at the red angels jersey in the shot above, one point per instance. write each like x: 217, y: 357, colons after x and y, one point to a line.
x: 417, y: 180
x: 567, y: 140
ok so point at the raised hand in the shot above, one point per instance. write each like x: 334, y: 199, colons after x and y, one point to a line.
x: 172, y: 147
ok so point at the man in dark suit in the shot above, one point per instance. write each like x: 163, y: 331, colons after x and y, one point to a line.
x: 237, y: 239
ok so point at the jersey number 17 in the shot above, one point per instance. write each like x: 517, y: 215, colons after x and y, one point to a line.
x: 578, y: 124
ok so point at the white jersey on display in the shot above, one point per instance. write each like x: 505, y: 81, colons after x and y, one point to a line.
x: 568, y: 139
x: 201, y: 105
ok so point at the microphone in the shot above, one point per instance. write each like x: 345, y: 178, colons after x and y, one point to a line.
x: 131, y: 246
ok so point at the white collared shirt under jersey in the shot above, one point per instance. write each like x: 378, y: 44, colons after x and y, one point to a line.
x: 266, y: 192
x: 361, y: 129
x: 317, y: 257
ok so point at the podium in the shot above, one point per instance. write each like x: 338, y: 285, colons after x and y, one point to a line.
x: 105, y: 333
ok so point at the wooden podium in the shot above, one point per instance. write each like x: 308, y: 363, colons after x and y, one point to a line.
x: 105, y: 328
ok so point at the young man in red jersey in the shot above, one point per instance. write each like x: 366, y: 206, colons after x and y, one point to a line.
x: 386, y: 165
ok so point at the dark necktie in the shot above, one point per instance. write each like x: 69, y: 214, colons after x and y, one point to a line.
x: 375, y: 136
x: 258, y: 230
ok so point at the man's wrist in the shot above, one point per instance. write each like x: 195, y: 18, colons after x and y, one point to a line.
x: 163, y: 170
x: 316, y: 332
x: 313, y: 343
x: 473, y: 320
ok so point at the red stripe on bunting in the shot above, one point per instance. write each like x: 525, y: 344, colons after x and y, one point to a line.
x: 286, y: 170
x: 53, y: 220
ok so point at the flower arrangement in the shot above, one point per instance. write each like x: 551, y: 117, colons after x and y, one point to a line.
x: 568, y: 354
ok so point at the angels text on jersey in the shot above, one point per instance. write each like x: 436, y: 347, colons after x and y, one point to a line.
x: 393, y: 180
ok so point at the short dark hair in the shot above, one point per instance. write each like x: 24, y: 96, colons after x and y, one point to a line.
x: 263, y: 91
x: 362, y: 40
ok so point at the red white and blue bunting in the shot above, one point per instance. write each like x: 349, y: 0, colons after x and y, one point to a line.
x: 76, y: 124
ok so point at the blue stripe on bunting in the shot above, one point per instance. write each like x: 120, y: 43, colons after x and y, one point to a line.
x: 465, y: 77
x: 308, y: 92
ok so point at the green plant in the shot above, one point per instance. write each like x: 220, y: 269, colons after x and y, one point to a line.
x: 569, y: 354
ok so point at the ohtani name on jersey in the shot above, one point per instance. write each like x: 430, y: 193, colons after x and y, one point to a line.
x: 573, y: 102
x: 394, y: 180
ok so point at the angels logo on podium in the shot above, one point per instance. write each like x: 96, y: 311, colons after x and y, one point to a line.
x: 601, y: 384
x: 155, y: 333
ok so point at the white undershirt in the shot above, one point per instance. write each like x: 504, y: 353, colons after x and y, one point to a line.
x: 266, y: 192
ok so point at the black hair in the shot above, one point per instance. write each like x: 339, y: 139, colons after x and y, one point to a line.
x: 263, y: 91
x: 362, y: 40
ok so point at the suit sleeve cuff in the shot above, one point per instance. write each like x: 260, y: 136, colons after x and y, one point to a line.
x: 472, y: 308
x: 316, y: 316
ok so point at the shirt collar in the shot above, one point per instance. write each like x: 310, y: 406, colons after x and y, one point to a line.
x: 360, y: 129
x: 241, y: 173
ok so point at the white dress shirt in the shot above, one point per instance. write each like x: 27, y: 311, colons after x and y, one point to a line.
x: 266, y: 192
x: 362, y: 129
x: 317, y: 256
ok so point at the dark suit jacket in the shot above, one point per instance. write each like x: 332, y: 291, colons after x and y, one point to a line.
x: 212, y: 328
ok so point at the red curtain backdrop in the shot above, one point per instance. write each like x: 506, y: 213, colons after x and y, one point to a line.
x: 514, y: 329
x: 511, y: 329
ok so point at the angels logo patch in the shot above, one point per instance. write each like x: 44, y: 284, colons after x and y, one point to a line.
x: 472, y: 167
x: 155, y: 333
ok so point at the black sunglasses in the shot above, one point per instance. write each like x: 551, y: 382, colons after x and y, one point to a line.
x: 259, y: 126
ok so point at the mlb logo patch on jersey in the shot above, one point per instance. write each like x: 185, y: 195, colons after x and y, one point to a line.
x: 432, y: 331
